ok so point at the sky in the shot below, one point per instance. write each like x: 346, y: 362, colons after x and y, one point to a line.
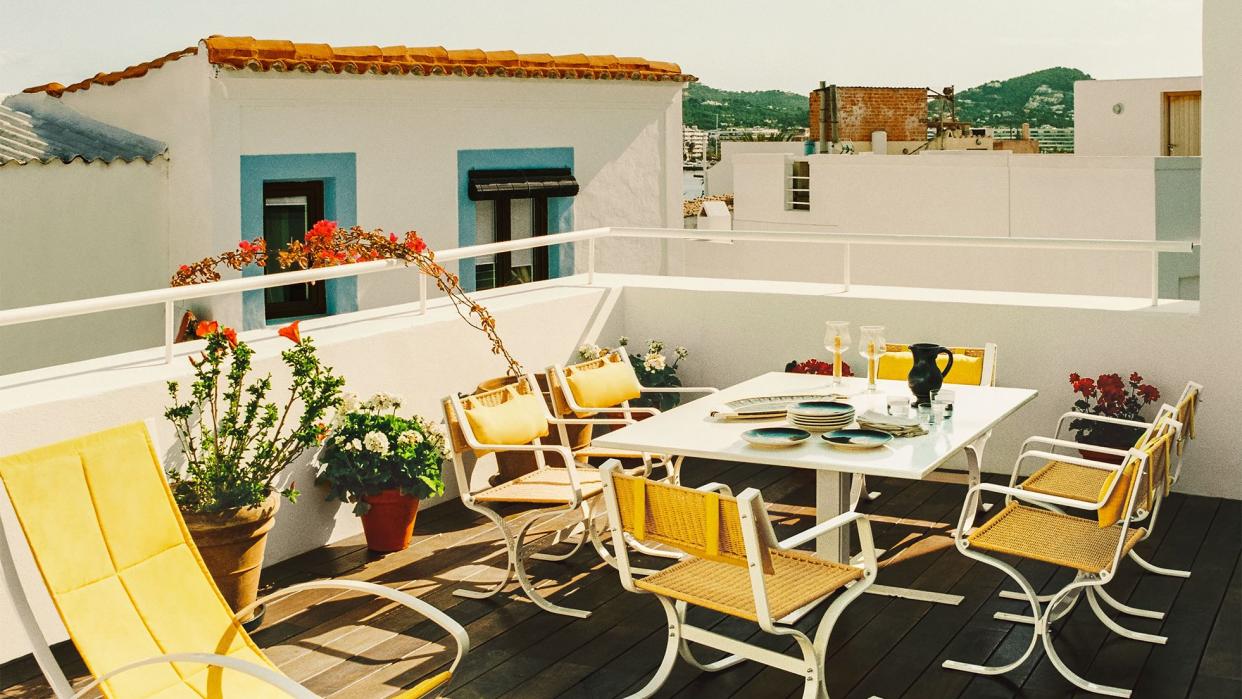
x: 731, y: 44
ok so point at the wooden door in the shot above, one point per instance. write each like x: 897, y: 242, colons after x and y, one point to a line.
x: 1181, y: 119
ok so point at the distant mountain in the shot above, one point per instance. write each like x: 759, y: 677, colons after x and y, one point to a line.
x: 701, y: 105
x: 1045, y: 97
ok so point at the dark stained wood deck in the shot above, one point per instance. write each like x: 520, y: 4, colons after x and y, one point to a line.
x: 343, y: 645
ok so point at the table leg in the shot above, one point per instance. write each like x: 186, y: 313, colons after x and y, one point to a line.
x: 832, y: 490
x: 974, y: 467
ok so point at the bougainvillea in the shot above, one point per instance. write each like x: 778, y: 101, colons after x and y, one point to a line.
x: 327, y: 245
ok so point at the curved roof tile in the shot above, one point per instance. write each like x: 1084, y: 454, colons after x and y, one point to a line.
x: 248, y: 53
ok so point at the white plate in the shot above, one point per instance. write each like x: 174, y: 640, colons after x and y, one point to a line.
x: 776, y: 436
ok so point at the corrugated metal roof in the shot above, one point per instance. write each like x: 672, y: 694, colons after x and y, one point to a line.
x: 42, y: 129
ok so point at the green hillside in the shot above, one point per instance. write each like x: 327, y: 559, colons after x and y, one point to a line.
x: 1045, y: 97
x: 701, y: 105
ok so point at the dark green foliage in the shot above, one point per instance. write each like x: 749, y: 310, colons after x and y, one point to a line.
x: 1042, y: 98
x: 768, y: 108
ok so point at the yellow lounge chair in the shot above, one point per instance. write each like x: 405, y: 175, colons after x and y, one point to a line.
x: 129, y: 585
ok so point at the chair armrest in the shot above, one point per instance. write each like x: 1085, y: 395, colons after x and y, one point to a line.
x: 679, y: 389
x: 265, y: 674
x: 717, y: 488
x: 819, y: 530
x: 566, y: 455
x: 591, y: 421
x: 1075, y: 460
x: 1029, y: 496
x: 405, y: 599
x: 1075, y: 415
x: 1049, y: 441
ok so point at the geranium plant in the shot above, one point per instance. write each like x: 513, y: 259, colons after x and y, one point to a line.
x: 815, y: 366
x: 653, y: 370
x: 236, y: 440
x: 1111, y: 396
x: 371, y: 449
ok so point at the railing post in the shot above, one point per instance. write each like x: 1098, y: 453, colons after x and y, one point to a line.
x: 590, y: 261
x: 422, y: 293
x: 1155, y: 278
x: 168, y: 332
x: 845, y: 261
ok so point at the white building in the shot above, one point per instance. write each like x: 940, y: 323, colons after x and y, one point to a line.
x: 266, y: 137
x: 1149, y: 116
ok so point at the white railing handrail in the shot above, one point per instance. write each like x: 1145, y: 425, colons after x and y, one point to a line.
x: 168, y: 296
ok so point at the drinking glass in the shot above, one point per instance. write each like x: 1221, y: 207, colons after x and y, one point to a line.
x: 837, y: 341
x: 871, y: 345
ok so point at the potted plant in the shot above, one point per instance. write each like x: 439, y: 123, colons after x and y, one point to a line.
x: 815, y: 366
x: 1111, y: 396
x: 236, y: 441
x: 384, y: 464
x: 653, y: 370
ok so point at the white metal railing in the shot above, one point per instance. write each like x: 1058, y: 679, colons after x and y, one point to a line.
x: 167, y: 297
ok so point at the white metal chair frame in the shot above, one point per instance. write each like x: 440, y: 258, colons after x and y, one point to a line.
x: 62, y: 689
x: 757, y: 532
x: 672, y: 462
x: 516, y: 547
x: 1061, y: 602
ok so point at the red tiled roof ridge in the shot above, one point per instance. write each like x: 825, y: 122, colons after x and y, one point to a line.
x: 244, y: 52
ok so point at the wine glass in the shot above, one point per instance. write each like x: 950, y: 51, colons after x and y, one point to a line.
x: 871, y: 345
x: 837, y: 341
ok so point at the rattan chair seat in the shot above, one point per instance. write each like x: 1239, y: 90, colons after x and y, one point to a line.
x: 1052, y: 537
x: 547, y: 486
x: 799, y: 579
x: 1067, y: 481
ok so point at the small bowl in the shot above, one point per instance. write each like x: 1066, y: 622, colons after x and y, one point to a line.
x: 776, y: 436
x: 857, y: 439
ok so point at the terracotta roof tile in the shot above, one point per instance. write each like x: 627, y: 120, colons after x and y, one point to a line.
x: 247, y: 53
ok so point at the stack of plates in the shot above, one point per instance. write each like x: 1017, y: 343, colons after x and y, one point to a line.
x: 821, y: 415
x: 896, y: 426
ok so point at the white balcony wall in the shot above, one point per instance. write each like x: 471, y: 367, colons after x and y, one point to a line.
x: 1138, y: 129
x: 997, y: 194
x: 76, y: 231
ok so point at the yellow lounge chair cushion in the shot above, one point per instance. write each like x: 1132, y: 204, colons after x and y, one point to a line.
x: 605, y: 387
x: 966, y: 370
x: 519, y: 420
x: 1114, y: 508
x: 121, y: 568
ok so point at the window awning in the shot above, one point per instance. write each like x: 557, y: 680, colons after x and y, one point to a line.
x: 521, y: 184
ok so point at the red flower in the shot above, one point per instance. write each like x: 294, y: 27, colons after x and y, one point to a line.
x: 230, y: 335
x: 184, y: 268
x: 1085, y: 386
x: 415, y: 243
x: 206, y: 327
x: 1149, y: 393
x: 392, y: 237
x: 1074, y: 378
x: 245, y: 246
x: 291, y: 331
x: 322, y: 230
x: 1135, y: 378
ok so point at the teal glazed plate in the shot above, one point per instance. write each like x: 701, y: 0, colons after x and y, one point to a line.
x: 776, y: 436
x: 858, y: 439
x: 821, y: 408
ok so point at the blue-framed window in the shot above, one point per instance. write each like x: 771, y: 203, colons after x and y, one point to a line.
x: 261, y: 175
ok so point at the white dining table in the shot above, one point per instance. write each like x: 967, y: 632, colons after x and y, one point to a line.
x: 690, y: 430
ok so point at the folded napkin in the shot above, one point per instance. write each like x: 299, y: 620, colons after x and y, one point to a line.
x: 892, y: 424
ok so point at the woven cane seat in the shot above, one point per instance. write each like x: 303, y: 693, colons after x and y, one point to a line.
x: 549, y: 486
x: 1052, y: 537
x: 1066, y: 480
x: 799, y: 579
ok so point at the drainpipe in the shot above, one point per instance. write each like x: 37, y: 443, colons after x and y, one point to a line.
x: 832, y: 114
x: 823, y: 118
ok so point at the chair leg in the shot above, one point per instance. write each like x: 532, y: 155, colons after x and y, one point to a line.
x: 1118, y: 628
x: 1125, y: 608
x: 670, y: 653
x: 1064, y: 606
x: 1152, y: 568
x: 511, y: 556
x: 519, y: 567
x: 557, y: 557
x: 686, y: 654
x: 1031, y: 598
x: 1043, y: 632
x: 1010, y: 594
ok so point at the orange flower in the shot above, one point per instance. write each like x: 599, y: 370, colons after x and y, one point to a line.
x: 230, y: 335
x: 291, y: 331
x: 206, y: 327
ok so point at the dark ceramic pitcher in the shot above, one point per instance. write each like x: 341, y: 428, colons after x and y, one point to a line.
x: 925, y: 377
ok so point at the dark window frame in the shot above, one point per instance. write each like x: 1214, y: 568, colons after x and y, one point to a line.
x: 316, y: 301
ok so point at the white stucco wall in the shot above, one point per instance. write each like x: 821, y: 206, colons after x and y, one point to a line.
x: 720, y: 175
x: 995, y: 194
x: 76, y: 231
x: 1137, y: 129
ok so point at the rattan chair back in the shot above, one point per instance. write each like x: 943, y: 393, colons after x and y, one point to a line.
x: 455, y: 417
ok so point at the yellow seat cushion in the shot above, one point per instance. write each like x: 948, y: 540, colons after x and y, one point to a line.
x: 967, y: 370
x: 604, y: 387
x: 120, y: 565
x: 519, y: 420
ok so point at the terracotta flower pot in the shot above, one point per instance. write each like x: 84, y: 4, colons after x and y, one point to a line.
x: 389, y: 523
x: 511, y: 464
x: 231, y: 544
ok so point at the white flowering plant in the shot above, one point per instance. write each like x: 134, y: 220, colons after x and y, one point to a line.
x: 370, y: 449
x: 653, y: 368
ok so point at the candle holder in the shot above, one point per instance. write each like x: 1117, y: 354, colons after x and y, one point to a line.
x: 872, y: 346
x: 837, y: 341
